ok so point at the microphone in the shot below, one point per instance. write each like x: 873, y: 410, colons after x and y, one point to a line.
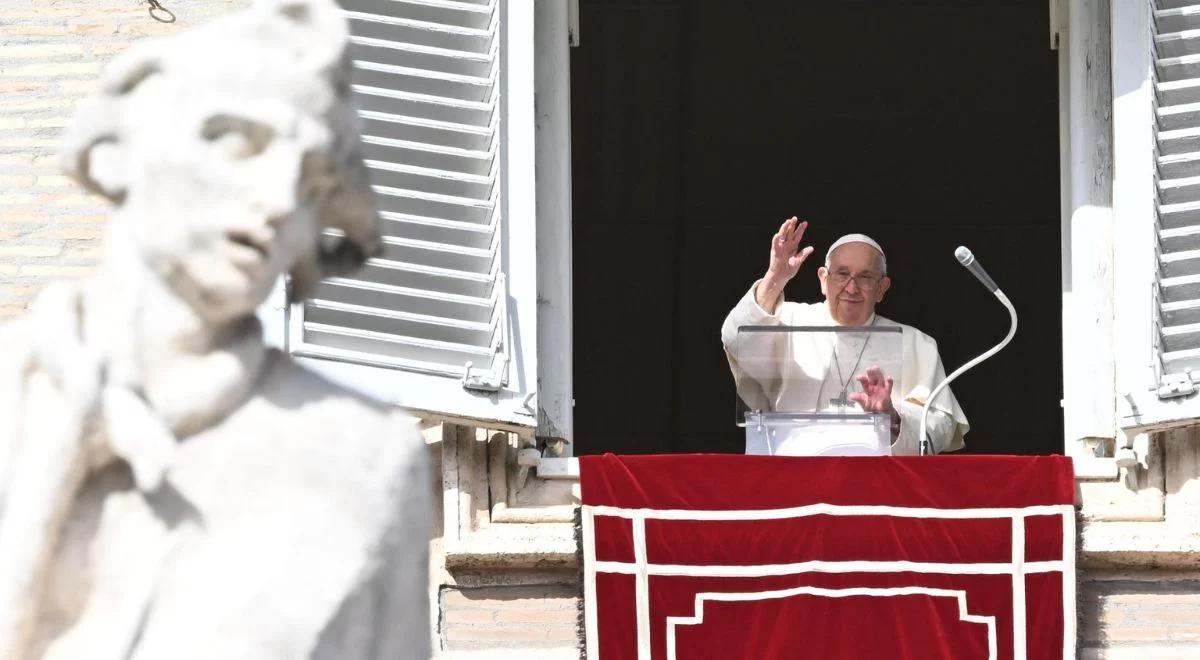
x: 967, y: 259
x: 964, y: 256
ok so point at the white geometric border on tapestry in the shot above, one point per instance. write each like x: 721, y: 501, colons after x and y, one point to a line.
x: 959, y: 595
x: 642, y: 569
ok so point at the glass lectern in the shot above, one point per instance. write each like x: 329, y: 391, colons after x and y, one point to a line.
x: 797, y: 388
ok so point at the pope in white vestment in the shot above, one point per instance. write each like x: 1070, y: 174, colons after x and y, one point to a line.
x: 804, y: 372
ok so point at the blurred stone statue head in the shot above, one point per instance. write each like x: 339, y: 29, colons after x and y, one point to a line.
x: 160, y: 468
x: 229, y: 150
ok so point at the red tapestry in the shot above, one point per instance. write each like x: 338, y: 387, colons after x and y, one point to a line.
x: 690, y: 557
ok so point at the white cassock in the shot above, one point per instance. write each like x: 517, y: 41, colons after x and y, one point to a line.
x: 806, y: 371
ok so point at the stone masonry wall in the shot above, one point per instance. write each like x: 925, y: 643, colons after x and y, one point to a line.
x: 50, y: 54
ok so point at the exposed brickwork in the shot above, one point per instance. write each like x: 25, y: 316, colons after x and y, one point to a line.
x: 50, y: 53
x: 1144, y: 610
x: 541, y: 616
x: 1148, y: 614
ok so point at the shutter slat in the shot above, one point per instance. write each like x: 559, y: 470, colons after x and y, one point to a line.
x: 1182, y: 312
x: 1178, y: 91
x: 381, y: 350
x: 1178, y: 19
x: 1179, y: 165
x: 1177, y: 44
x: 421, y: 155
x: 420, y: 33
x: 1180, y: 239
x: 439, y: 280
x: 1180, y: 140
x: 1179, y: 215
x: 397, y: 200
x: 421, y: 57
x: 1178, y: 361
x: 1183, y: 287
x: 1182, y: 337
x: 428, y: 83
x: 426, y: 113
x: 446, y: 183
x: 1178, y: 191
x: 1178, y: 69
x: 1174, y: 4
x: 1179, y: 116
x: 434, y: 230
x: 428, y: 303
x: 441, y: 12
x: 1178, y: 264
x: 418, y: 129
x: 438, y: 255
x: 399, y: 324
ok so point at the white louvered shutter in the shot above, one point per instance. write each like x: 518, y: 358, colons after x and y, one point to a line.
x: 1156, y: 85
x: 429, y: 323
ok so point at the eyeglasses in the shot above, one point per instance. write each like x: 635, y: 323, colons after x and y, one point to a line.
x: 864, y: 282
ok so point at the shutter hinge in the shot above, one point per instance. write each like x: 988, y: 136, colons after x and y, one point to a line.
x: 1173, y: 386
x: 494, y: 379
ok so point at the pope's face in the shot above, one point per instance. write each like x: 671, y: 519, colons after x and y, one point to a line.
x: 223, y: 190
x: 853, y: 283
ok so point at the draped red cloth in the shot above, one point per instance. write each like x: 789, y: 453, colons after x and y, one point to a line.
x: 724, y: 556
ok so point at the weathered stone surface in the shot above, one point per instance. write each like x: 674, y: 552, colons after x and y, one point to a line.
x: 169, y: 487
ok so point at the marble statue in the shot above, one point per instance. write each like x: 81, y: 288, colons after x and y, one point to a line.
x: 169, y: 486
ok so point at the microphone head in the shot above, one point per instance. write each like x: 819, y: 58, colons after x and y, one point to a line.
x: 964, y: 255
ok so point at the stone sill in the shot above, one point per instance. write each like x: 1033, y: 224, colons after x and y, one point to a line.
x: 1085, y: 468
x: 514, y: 545
x: 564, y: 653
x: 1139, y: 545
x: 558, y: 468
x: 1172, y: 652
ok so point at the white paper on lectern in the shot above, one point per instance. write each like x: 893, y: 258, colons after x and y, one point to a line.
x: 815, y: 440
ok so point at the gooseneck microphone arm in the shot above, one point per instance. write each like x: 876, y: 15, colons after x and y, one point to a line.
x: 964, y: 256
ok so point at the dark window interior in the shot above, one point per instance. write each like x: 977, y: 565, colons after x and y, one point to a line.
x: 698, y: 126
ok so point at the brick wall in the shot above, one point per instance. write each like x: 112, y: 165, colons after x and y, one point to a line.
x: 50, y: 54
x: 498, y: 617
x: 1144, y: 614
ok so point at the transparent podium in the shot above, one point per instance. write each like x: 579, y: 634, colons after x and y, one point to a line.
x: 799, y: 388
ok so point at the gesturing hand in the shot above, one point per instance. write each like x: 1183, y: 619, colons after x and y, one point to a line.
x: 786, y: 257
x: 876, y: 394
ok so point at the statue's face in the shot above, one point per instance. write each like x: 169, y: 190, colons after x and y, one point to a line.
x: 224, y: 191
x: 229, y: 148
